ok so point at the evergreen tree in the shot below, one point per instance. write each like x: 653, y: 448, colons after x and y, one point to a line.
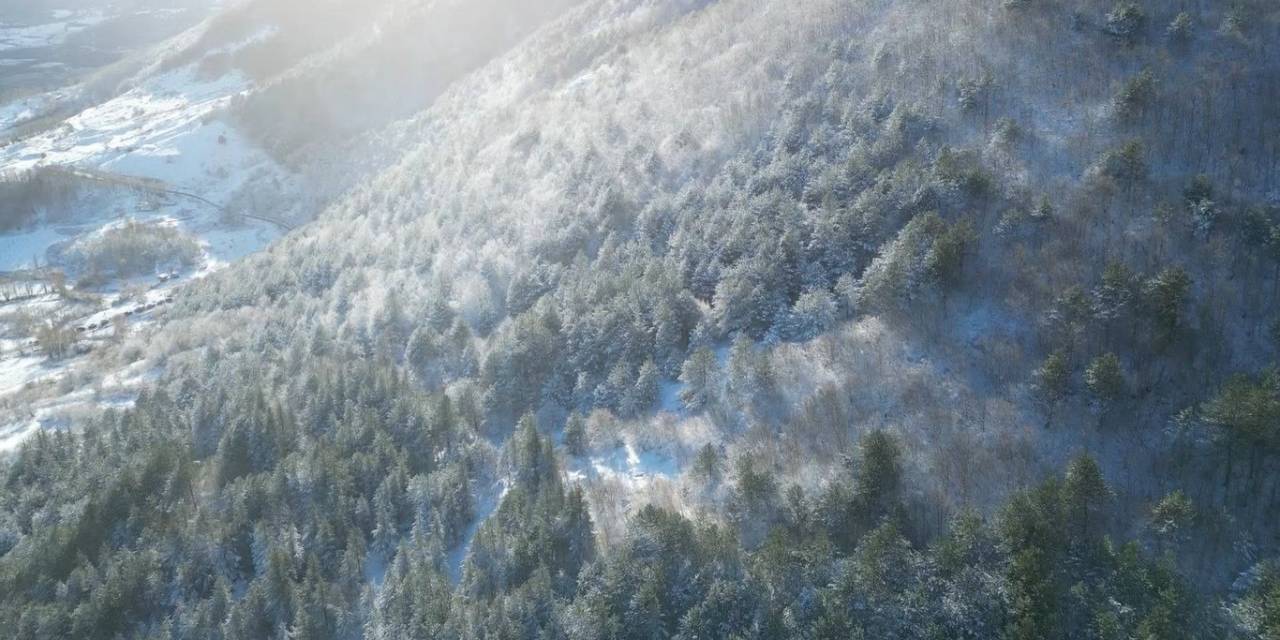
x: 878, y: 477
x: 700, y: 376
x: 1084, y: 494
x: 423, y: 353
x: 1112, y: 299
x: 707, y: 463
x: 1246, y: 411
x: 1167, y: 295
x: 1125, y: 21
x: 643, y: 394
x: 1171, y: 519
x: 1052, y: 381
x: 1105, y: 379
x: 812, y: 314
x: 575, y: 434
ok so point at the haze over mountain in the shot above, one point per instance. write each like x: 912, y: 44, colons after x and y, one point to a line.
x: 641, y: 318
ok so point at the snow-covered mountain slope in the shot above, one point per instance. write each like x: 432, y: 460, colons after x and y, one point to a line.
x: 166, y: 129
x: 187, y: 141
x: 716, y: 163
x: 882, y: 319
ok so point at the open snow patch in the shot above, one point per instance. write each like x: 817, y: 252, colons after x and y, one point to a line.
x: 24, y: 250
x: 486, y: 503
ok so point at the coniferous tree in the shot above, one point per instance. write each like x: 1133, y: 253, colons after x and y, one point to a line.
x: 1084, y: 494
x: 878, y: 477
x: 1052, y: 381
x: 1105, y: 380
x: 1246, y: 411
x: 700, y: 376
x: 575, y: 434
x: 1167, y: 295
x: 643, y: 393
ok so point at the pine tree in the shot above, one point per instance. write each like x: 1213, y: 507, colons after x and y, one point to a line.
x: 1084, y: 495
x: 613, y: 390
x: 1246, y: 411
x: 1105, y: 379
x: 701, y: 378
x: 707, y: 463
x: 1125, y: 21
x: 423, y: 354
x: 234, y: 458
x: 575, y: 434
x: 1167, y: 295
x: 1172, y: 518
x: 812, y: 314
x: 1052, y: 381
x: 1135, y: 97
x: 1112, y: 299
x: 643, y: 394
x: 672, y: 324
x: 878, y: 477
x: 1181, y: 29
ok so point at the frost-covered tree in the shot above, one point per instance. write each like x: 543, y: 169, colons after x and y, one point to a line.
x: 700, y: 376
x: 643, y: 393
x: 1172, y: 518
x: 925, y: 257
x: 1256, y: 612
x: 812, y: 314
x: 575, y: 434
x: 1181, y: 29
x: 516, y: 372
x: 615, y: 388
x: 1068, y: 317
x: 1105, y: 379
x: 1135, y: 97
x: 878, y: 477
x: 1113, y: 298
x: 1127, y: 163
x: 1246, y: 411
x: 1125, y: 21
x: 529, y: 285
x: 423, y: 353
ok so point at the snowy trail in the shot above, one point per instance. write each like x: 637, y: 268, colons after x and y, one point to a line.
x: 485, y: 506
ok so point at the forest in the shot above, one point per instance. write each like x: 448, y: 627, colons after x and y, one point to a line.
x: 907, y: 320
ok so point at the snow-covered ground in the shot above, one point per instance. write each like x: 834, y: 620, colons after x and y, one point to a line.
x: 158, y: 154
x: 20, y: 370
x: 166, y: 129
x: 37, y: 392
x: 632, y: 466
x: 24, y: 250
x: 26, y: 108
x: 487, y: 502
x: 63, y: 23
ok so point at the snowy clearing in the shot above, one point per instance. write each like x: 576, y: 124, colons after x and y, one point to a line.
x: 157, y: 155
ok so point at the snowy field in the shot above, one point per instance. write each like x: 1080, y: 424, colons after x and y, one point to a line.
x: 158, y: 154
x: 165, y: 130
x: 40, y: 392
x: 62, y: 24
